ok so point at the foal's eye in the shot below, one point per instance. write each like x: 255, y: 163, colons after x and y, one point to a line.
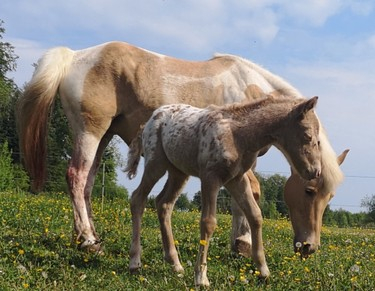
x: 310, y: 191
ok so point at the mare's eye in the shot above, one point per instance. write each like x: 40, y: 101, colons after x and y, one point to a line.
x: 308, y: 137
x: 310, y: 191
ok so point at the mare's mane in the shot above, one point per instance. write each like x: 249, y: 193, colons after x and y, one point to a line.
x: 275, y: 81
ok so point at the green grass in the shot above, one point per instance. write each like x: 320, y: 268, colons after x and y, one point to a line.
x: 36, y: 252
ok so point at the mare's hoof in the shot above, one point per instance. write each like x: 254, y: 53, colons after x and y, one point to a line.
x: 92, y: 247
x: 242, y: 247
x: 178, y: 269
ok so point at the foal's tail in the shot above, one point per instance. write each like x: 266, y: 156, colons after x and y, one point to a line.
x: 134, y: 155
x: 34, y: 108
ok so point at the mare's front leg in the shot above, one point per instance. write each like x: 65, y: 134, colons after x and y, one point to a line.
x: 78, y: 172
x: 210, y: 188
x: 241, y: 232
x: 164, y: 203
x: 240, y: 190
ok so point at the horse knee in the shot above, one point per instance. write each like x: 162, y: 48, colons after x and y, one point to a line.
x: 208, y: 224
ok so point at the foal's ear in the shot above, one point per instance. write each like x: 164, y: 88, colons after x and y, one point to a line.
x: 306, y: 106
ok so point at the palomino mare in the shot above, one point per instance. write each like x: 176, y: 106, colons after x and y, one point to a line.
x: 308, y: 216
x: 112, y: 89
x: 218, y: 144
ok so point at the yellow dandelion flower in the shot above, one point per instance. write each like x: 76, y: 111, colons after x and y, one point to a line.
x: 176, y: 242
x: 203, y: 242
x: 257, y: 273
x: 307, y: 270
x: 25, y: 285
x: 113, y: 273
x: 21, y: 252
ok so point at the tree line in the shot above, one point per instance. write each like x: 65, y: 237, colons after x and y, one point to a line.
x: 13, y: 176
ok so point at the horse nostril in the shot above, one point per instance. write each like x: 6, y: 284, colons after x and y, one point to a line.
x: 307, y: 250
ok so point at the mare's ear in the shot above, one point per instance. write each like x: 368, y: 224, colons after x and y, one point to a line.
x: 302, y: 108
x: 341, y: 158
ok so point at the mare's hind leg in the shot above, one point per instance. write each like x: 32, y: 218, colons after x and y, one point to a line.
x: 241, y: 232
x: 154, y: 170
x: 164, y: 204
x: 89, y: 186
x: 78, y: 172
x: 240, y: 190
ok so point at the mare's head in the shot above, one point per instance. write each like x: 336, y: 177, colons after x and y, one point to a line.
x: 307, y: 201
x: 300, y: 140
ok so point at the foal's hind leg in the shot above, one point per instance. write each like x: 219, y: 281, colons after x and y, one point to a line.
x: 240, y: 190
x: 164, y: 204
x: 241, y: 232
x: 154, y: 170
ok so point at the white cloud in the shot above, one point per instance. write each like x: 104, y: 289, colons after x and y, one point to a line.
x: 29, y: 52
x: 314, y: 12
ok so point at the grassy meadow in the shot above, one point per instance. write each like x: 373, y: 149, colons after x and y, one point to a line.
x: 36, y: 252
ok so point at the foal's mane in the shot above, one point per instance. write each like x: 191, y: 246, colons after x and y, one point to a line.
x: 264, y: 104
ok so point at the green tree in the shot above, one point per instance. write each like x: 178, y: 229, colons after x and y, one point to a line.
x: 6, y: 169
x: 183, y: 202
x: 328, y: 216
x: 272, y: 199
x: 9, y: 93
x: 369, y: 203
x: 341, y: 217
x: 197, y: 200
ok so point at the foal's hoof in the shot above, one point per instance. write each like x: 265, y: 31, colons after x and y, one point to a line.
x: 134, y: 270
x: 242, y: 247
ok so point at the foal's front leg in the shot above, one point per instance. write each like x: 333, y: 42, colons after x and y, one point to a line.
x: 240, y: 190
x: 210, y: 189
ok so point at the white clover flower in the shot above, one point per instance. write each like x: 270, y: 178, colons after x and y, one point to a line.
x: 355, y: 268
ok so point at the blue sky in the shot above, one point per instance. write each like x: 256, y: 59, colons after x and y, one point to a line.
x: 322, y: 47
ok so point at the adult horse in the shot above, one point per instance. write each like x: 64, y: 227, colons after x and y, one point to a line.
x: 113, y: 88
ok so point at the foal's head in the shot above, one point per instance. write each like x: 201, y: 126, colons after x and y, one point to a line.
x: 300, y: 140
